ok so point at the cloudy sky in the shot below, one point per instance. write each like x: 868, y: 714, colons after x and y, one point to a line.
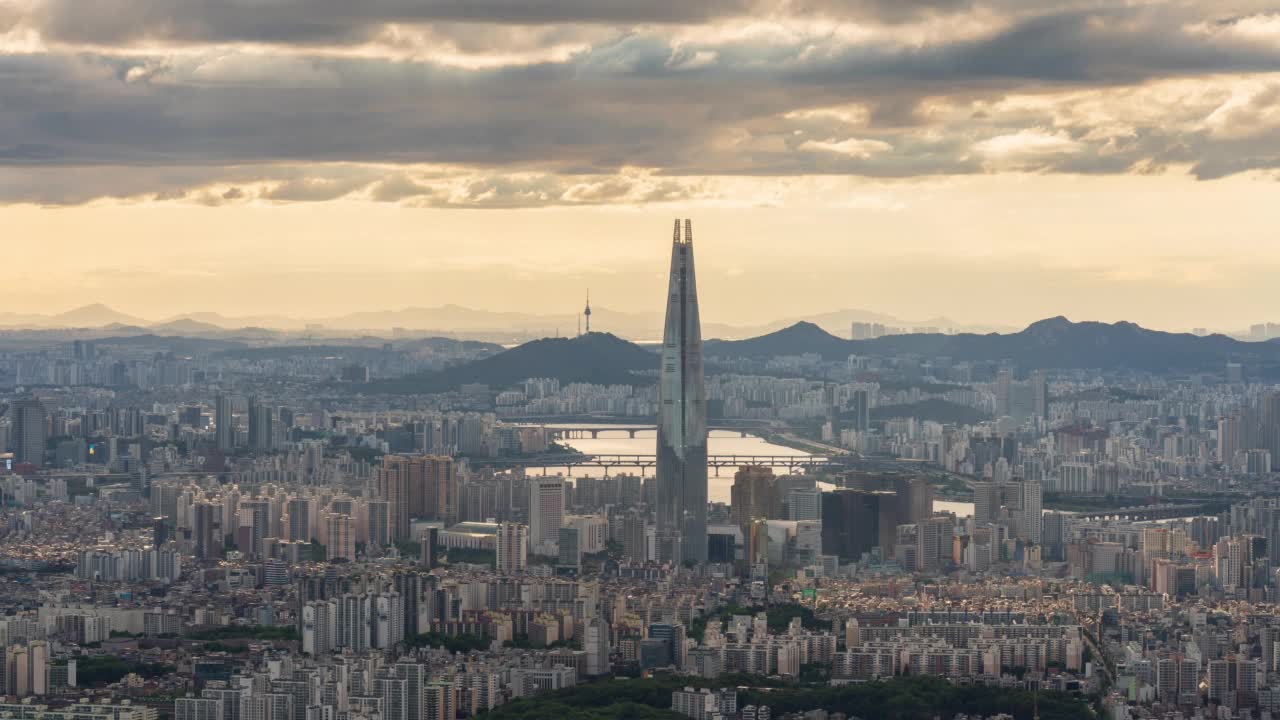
x: 993, y: 162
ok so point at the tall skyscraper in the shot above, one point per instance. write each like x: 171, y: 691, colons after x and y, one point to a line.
x: 392, y: 485
x: 224, y: 426
x: 1033, y: 510
x: 261, y: 426
x: 29, y: 431
x: 301, y: 514
x: 1040, y: 394
x: 682, y: 416
x: 341, y: 538
x: 205, y: 530
x: 986, y: 502
x: 634, y: 544
x: 1004, y: 388
x: 860, y: 407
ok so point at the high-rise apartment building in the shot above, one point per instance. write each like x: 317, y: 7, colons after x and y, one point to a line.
x: 377, y: 523
x: 682, y: 416
x: 860, y: 409
x: 301, y: 515
x: 1033, y: 510
x: 29, y: 431
x: 512, y: 548
x: 1004, y: 391
x: 341, y: 536
x: 262, y: 420
x: 393, y: 488
x: 428, y: 484
x: 224, y: 424
x: 205, y: 531
x: 1039, y: 394
x: 634, y: 540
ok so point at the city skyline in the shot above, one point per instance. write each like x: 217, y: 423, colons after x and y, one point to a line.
x: 345, y: 373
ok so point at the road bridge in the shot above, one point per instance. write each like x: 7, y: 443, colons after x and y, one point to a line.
x: 609, y: 461
x: 595, y: 432
x: 1146, y: 512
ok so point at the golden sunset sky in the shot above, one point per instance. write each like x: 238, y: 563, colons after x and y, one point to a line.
x: 992, y: 162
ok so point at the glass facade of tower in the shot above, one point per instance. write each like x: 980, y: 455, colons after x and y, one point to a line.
x: 682, y: 416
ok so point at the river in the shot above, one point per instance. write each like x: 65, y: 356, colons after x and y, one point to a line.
x: 720, y: 442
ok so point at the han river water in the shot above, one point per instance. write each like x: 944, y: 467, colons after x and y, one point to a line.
x: 720, y: 442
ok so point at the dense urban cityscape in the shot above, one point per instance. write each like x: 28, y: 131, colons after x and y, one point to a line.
x: 348, y: 370
x: 401, y: 529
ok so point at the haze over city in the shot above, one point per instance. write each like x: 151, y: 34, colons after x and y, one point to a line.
x: 639, y: 360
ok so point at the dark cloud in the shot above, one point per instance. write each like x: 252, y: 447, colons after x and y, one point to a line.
x: 28, y: 152
x: 341, y: 22
x: 555, y: 132
x: 115, y: 22
x: 885, y: 10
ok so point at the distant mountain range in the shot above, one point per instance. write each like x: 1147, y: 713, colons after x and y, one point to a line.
x: 95, y: 315
x: 1056, y: 343
x: 604, y: 357
x: 1053, y: 343
x: 443, y: 320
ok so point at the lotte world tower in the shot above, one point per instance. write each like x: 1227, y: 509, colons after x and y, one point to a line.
x: 682, y: 416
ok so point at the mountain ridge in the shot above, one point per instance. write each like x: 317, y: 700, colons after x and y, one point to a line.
x: 448, y: 318
x: 1052, y: 343
x: 598, y: 358
x: 1055, y: 342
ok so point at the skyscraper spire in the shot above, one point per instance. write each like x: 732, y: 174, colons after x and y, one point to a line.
x: 682, y: 415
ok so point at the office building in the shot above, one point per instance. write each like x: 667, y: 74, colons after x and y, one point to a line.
x: 754, y: 495
x: 986, y: 502
x: 570, y: 549
x: 804, y: 504
x: 546, y: 513
x: 855, y: 521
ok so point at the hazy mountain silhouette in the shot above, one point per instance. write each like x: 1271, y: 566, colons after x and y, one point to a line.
x: 1053, y: 343
x: 446, y: 320
x: 799, y: 339
x: 88, y: 316
x: 599, y: 358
